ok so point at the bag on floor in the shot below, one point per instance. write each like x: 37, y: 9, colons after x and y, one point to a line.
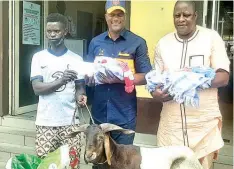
x: 23, y: 161
x: 59, y: 159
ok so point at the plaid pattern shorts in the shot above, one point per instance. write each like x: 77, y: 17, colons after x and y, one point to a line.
x: 48, y: 139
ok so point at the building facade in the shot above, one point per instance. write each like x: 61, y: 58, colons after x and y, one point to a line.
x: 22, y: 33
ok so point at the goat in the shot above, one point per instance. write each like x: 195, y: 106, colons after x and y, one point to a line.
x: 102, y: 150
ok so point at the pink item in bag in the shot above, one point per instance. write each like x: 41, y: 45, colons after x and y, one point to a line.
x: 128, y: 77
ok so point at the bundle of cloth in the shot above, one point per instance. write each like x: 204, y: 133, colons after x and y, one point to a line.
x: 183, y: 84
x: 111, y: 68
x: 104, y: 68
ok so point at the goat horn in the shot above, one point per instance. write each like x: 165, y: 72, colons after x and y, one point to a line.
x: 81, y: 128
x: 106, y: 127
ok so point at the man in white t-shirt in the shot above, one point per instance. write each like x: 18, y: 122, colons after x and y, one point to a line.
x: 59, y: 91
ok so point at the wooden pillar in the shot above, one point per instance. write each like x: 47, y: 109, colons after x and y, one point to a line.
x: 4, y: 55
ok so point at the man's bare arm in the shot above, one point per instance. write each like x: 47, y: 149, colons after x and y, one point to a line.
x: 41, y: 88
x: 221, y: 79
x: 81, y: 98
x: 139, y: 79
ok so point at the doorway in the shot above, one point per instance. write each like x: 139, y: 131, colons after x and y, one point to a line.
x: 26, y: 37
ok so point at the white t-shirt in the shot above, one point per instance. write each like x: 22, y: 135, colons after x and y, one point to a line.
x: 57, y: 108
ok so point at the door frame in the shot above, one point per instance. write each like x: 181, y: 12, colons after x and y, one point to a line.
x: 205, y: 11
x: 215, y: 14
x: 14, y: 108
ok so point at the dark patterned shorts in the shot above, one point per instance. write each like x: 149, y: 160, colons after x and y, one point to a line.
x: 48, y: 139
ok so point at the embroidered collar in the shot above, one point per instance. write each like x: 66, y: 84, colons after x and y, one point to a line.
x: 190, y: 39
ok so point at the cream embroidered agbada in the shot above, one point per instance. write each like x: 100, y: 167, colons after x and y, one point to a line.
x: 206, y: 48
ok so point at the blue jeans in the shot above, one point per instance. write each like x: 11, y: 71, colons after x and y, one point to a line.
x: 121, y: 138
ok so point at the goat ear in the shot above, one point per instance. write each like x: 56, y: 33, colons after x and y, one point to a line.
x: 106, y: 127
x: 107, y: 148
x: 81, y: 128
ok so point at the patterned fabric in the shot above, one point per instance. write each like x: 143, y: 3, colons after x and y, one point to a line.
x: 48, y: 139
x: 183, y: 85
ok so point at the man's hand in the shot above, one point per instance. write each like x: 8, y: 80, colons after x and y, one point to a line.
x: 109, y: 78
x: 89, y: 81
x: 161, y: 96
x: 69, y: 75
x: 81, y: 100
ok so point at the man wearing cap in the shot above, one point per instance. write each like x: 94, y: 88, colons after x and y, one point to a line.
x: 111, y: 104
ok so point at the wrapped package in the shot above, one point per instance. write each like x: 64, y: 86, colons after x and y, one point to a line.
x: 83, y: 68
x: 105, y: 67
x: 116, y: 69
x: 183, y: 85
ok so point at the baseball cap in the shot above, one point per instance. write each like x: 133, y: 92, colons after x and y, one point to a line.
x: 112, y: 5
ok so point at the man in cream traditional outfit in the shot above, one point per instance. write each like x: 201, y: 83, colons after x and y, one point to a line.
x: 192, y: 45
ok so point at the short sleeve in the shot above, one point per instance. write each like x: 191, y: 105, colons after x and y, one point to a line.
x: 158, y: 61
x: 36, y: 68
x: 142, y: 61
x: 219, y: 58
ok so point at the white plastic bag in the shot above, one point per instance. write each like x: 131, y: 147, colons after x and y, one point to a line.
x: 59, y: 159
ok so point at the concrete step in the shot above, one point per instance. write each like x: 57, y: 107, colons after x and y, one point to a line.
x: 18, y: 122
x: 2, y: 165
x: 17, y: 136
x: 17, y: 131
x: 222, y: 166
x: 16, y: 149
x: 228, y: 160
x: 4, y: 156
x: 145, y: 139
x: 226, y: 150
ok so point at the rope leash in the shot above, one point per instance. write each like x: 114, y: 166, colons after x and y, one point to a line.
x: 90, y: 115
x: 73, y: 124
